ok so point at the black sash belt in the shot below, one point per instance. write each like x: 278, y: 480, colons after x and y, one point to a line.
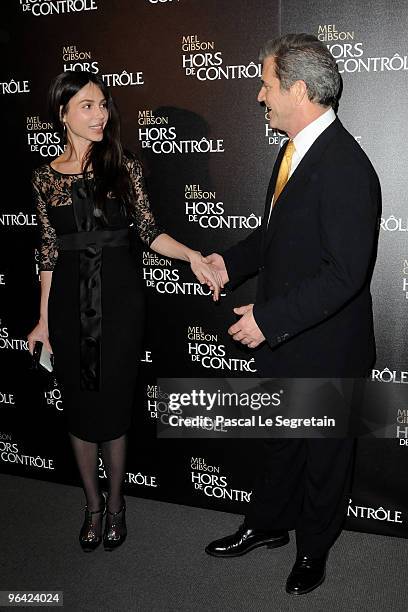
x: 99, y: 238
x: 90, y: 245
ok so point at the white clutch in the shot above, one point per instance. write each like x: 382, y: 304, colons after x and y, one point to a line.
x: 42, y: 357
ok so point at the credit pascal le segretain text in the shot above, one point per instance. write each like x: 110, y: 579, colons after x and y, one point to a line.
x: 252, y: 421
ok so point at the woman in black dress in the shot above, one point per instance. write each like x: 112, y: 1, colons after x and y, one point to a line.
x: 92, y: 303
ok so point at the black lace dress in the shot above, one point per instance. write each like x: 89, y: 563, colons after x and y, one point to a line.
x: 96, y: 303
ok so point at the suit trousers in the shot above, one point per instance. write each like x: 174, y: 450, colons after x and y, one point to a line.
x: 304, y: 485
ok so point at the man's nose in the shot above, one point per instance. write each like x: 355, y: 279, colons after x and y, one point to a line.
x: 261, y: 95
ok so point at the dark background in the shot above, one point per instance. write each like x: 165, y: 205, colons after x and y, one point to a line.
x: 146, y: 37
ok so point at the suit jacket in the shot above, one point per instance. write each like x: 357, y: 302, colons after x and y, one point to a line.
x: 314, y: 263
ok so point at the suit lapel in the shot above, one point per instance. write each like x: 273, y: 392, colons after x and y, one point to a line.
x: 269, y: 193
x: 299, y: 178
x: 272, y: 182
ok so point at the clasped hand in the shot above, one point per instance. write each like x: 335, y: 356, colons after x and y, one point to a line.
x: 206, y: 273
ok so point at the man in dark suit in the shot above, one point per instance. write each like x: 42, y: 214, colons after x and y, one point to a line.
x: 314, y: 254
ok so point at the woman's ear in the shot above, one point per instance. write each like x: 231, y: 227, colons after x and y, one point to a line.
x: 61, y: 114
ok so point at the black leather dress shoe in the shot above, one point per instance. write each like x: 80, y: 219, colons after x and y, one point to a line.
x: 306, y: 575
x: 244, y: 540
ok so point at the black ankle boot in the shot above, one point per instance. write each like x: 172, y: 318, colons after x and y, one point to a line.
x: 115, y: 528
x: 90, y: 535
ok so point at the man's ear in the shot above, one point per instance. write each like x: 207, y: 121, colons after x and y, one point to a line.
x: 300, y: 91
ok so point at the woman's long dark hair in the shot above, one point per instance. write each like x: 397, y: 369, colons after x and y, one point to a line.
x: 105, y: 157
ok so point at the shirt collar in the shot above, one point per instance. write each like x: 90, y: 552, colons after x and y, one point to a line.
x: 306, y: 137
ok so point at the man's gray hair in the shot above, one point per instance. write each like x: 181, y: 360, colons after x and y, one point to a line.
x: 302, y: 57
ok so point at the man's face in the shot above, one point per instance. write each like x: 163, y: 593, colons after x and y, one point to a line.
x: 280, y: 102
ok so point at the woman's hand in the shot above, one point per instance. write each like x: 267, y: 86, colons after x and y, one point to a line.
x: 206, y: 273
x: 39, y: 333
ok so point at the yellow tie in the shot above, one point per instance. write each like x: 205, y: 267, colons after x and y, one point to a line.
x: 284, y: 170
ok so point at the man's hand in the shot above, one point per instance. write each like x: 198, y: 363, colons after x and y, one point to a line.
x: 217, y: 261
x: 246, y: 329
x: 206, y: 273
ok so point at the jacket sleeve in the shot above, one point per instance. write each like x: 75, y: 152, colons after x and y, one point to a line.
x: 243, y: 259
x: 349, y: 222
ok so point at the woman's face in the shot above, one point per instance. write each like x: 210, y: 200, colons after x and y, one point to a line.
x: 87, y: 114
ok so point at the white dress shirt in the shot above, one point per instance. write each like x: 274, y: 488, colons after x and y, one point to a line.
x: 305, y: 138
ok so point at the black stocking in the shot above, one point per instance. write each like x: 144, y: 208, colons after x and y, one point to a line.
x: 114, y: 459
x: 86, y: 455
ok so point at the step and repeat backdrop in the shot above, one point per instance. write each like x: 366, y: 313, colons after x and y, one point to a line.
x: 185, y: 75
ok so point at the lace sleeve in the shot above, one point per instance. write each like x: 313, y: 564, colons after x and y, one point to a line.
x: 143, y: 217
x: 48, y: 246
